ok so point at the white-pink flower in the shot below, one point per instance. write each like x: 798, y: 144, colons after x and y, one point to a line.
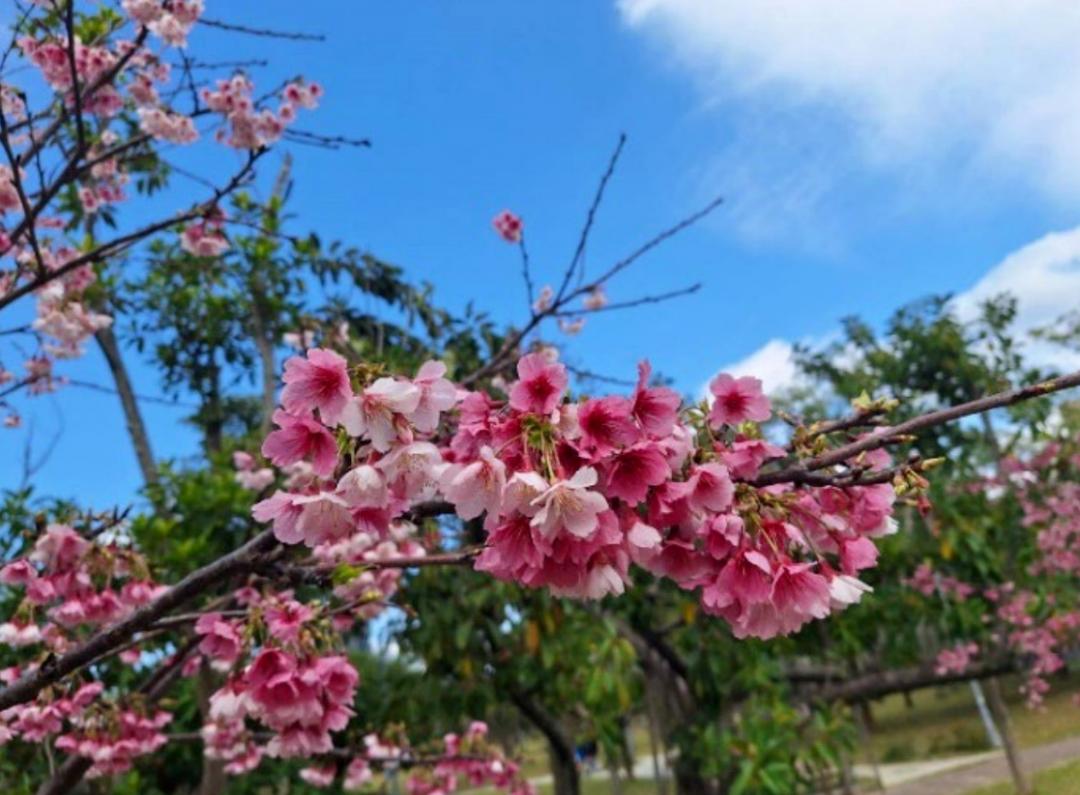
x: 570, y: 505
x: 476, y: 487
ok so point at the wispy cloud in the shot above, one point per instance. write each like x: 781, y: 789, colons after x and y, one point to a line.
x: 941, y: 95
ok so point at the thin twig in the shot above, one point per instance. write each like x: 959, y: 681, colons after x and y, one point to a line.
x: 264, y: 32
x: 583, y: 239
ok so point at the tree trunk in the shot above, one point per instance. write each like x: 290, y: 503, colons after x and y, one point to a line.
x: 140, y: 439
x: 655, y: 743
x: 1012, y: 753
x: 267, y: 365
x: 564, y: 770
x: 213, y: 770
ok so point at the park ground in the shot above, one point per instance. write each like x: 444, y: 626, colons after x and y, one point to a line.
x: 938, y: 726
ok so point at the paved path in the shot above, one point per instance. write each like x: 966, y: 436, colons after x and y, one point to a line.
x: 980, y: 770
x: 953, y: 775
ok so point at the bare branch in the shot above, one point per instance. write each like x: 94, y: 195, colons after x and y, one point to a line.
x: 583, y: 240
x: 263, y: 32
x: 878, y: 440
x: 648, y: 299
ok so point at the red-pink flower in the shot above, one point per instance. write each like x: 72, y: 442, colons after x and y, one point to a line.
x: 508, y: 226
x: 655, y: 408
x: 633, y: 471
x: 221, y: 640
x: 285, y: 618
x: 321, y: 381
x: 298, y: 438
x: 800, y: 591
x: 376, y: 413
x: 606, y: 425
x: 710, y: 488
x: 540, y: 385
x: 736, y: 400
x: 282, y: 509
x: 320, y: 776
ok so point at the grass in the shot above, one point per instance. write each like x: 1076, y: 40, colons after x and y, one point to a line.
x: 945, y: 721
x: 1060, y: 780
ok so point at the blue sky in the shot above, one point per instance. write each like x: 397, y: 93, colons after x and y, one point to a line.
x: 868, y: 157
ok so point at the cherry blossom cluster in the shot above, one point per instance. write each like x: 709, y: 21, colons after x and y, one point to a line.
x: 62, y: 315
x: 50, y: 56
x: 62, y: 579
x: 928, y: 582
x: 1036, y: 622
x: 43, y: 719
x: 955, y: 659
x: 283, y: 676
x: 205, y: 238
x: 170, y: 21
x: 248, y: 126
x: 467, y: 757
x: 572, y: 493
x: 113, y: 738
x: 71, y: 584
x: 118, y: 81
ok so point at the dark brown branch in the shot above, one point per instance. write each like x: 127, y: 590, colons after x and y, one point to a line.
x: 80, y: 123
x: 20, y: 191
x: 930, y: 419
x: 662, y: 237
x: 881, y: 683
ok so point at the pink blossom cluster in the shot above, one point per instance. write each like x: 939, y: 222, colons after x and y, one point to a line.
x: 290, y: 683
x: 508, y: 226
x: 165, y: 125
x: 39, y: 720
x: 300, y: 698
x: 248, y: 126
x: 956, y: 659
x: 170, y: 21
x: 50, y: 56
x: 468, y: 757
x: 205, y: 238
x: 62, y: 315
x: 106, y: 181
x: 928, y: 582
x: 113, y: 739
x: 571, y: 493
x: 249, y: 475
x: 61, y: 577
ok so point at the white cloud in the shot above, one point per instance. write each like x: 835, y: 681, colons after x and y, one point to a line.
x: 1044, y: 277
x: 994, y: 87
x: 772, y: 363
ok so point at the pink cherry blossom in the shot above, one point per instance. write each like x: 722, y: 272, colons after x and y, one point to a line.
x: 508, y: 226
x: 318, y: 381
x: 540, y: 385
x: 570, y: 505
x: 298, y: 438
x: 736, y: 400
